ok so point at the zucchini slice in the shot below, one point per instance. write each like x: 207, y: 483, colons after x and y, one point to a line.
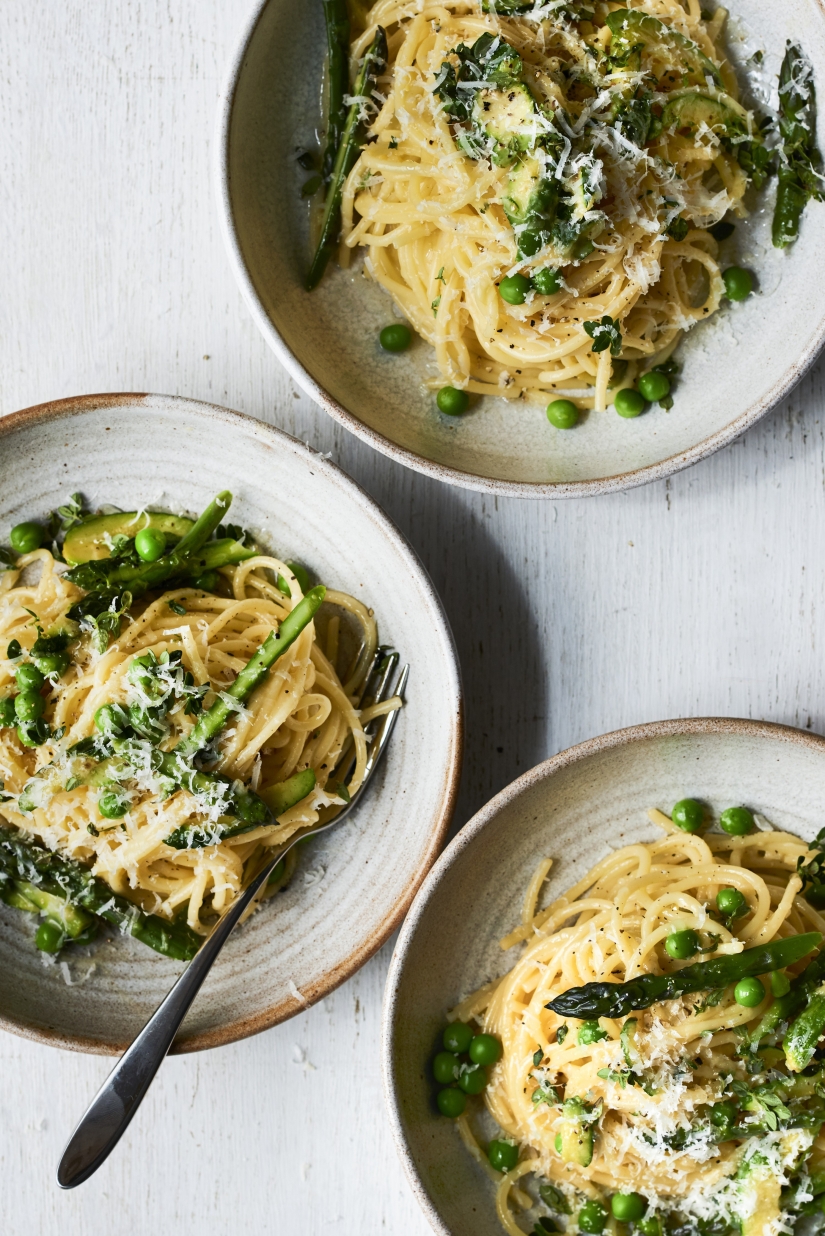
x: 91, y: 539
x: 691, y: 109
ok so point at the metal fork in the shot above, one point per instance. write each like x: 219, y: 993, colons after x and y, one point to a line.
x: 110, y: 1112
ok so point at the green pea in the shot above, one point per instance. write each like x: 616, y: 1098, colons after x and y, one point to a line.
x: 301, y: 574
x: 52, y: 663
x: 737, y: 821
x: 452, y: 402
x: 14, y: 650
x: 688, y: 815
x: 547, y: 281
x: 529, y: 244
x: 628, y: 403
x: 150, y: 544
x: 111, y: 719
x: 583, y: 248
x: 650, y: 1227
x: 473, y: 1079
x: 457, y: 1037
x: 485, y: 1049
x: 50, y: 937
x: 27, y: 537
x: 654, y: 386
x: 29, y: 705
x: 749, y: 992
x: 395, y: 338
x: 502, y: 1155
x: 29, y: 677
x: 446, y: 1067
x: 7, y: 714
x: 33, y: 733
x: 682, y: 944
x: 562, y: 413
x: 628, y: 1207
x: 557, y: 1143
x: 207, y: 582
x: 723, y: 1115
x: 451, y: 1102
x: 514, y: 288
x: 738, y: 283
x: 780, y: 983
x: 730, y: 902
x: 592, y: 1217
x: 112, y: 805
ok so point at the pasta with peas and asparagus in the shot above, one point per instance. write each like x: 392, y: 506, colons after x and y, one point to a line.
x: 655, y: 1057
x: 167, y: 715
x: 542, y: 186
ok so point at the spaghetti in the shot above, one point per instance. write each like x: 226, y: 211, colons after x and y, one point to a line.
x: 537, y: 186
x: 166, y: 845
x: 687, y: 1106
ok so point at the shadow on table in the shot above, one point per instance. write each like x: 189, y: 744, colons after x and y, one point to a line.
x: 496, y: 633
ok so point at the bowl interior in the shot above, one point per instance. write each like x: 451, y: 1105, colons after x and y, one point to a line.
x: 574, y: 808
x: 329, y: 338
x: 352, y: 886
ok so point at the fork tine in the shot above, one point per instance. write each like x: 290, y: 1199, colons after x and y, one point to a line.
x: 386, y: 725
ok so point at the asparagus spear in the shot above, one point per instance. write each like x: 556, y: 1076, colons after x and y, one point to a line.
x: 615, y: 999
x: 253, y: 673
x: 805, y: 1032
x: 800, y: 177
x: 336, y: 20
x: 373, y: 66
x: 784, y: 1007
x: 24, y: 860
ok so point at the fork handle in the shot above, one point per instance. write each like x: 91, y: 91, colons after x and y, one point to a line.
x: 112, y: 1108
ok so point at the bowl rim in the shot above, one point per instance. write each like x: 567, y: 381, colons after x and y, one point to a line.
x: 411, y: 459
x: 243, y: 1027
x: 465, y: 838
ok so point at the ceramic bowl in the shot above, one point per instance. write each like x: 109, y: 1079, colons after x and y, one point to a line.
x: 328, y: 340
x: 352, y: 886
x: 575, y: 808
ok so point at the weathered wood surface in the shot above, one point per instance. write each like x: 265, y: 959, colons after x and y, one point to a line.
x: 703, y: 595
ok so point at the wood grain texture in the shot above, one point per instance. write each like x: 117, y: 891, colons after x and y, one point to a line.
x: 703, y: 595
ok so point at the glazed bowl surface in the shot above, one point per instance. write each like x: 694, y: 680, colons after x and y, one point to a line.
x: 574, y: 808
x: 735, y: 367
x: 353, y: 885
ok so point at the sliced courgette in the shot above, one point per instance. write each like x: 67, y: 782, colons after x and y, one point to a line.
x: 692, y: 109
x: 627, y: 1038
x: 632, y: 26
x: 575, y: 1137
x: 760, y: 1191
x: 287, y: 794
x: 91, y: 539
x: 508, y: 117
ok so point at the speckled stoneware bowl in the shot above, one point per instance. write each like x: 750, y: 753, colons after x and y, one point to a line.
x: 352, y: 886
x: 735, y: 367
x: 575, y: 808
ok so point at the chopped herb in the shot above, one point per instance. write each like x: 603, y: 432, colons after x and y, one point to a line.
x: 176, y: 607
x: 538, y: 1056
x: 605, y: 334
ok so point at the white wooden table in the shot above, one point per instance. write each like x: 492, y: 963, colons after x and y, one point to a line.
x: 698, y: 596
